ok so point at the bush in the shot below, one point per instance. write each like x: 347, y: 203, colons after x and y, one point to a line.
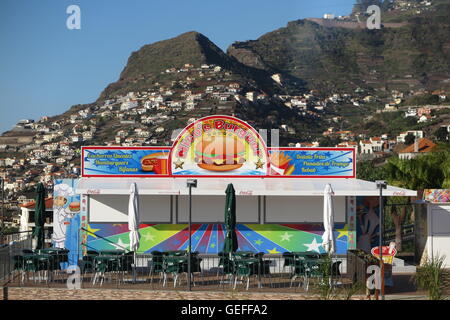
x: 429, y: 277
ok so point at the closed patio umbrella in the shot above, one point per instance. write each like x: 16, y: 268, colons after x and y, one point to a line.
x: 231, y: 242
x: 328, y: 241
x: 133, y: 222
x: 39, y: 212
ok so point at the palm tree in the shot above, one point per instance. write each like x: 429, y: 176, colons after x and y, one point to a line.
x: 431, y: 171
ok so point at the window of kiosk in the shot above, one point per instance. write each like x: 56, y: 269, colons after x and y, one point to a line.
x: 211, y: 209
x: 114, y: 208
x: 301, y: 209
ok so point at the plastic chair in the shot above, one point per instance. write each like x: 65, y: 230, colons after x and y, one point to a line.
x: 87, y: 262
x: 100, y: 268
x: 228, y: 268
x: 299, y: 270
x: 288, y: 260
x: 126, y: 263
x: 195, y: 266
x: 245, y: 268
x: 19, y: 265
x: 264, y: 267
x: 173, y: 265
x: 157, y: 265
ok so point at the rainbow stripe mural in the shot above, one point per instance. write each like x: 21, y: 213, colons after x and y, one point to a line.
x: 209, y: 238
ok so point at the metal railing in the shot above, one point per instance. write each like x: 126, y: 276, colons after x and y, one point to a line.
x: 12, y: 244
x: 168, y: 271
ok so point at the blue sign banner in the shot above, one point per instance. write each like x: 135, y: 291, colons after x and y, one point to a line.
x: 313, y: 162
x: 123, y: 161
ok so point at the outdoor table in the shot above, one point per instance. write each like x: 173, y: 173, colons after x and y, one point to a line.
x: 111, y: 252
x: 175, y: 253
x: 244, y: 254
x: 49, y: 250
x: 37, y: 259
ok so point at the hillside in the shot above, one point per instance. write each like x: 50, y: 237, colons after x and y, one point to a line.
x: 145, y: 66
x: 413, y: 55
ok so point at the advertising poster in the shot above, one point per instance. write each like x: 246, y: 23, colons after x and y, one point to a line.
x: 218, y: 146
x: 66, y: 217
x: 321, y: 162
x: 123, y: 161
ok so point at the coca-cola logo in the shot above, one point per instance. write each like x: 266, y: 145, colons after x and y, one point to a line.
x: 246, y: 193
x: 93, y: 191
x: 399, y: 193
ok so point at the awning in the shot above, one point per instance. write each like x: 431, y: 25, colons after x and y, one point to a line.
x: 244, y: 186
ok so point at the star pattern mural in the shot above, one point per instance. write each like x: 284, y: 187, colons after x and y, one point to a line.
x: 209, y: 238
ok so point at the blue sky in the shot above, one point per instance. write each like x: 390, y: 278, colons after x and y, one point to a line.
x: 45, y: 68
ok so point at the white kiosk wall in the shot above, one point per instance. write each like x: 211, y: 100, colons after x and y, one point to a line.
x: 114, y: 208
x: 211, y: 209
x: 301, y: 209
x: 439, y: 231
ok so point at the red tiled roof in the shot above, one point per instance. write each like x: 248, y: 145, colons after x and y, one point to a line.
x: 30, y: 205
x: 425, y: 145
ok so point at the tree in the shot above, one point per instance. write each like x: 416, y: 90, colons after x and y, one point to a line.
x: 367, y: 171
x: 430, y: 171
x: 409, y: 139
x: 441, y: 134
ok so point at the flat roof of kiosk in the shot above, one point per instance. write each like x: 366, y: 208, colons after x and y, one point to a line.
x: 243, y: 186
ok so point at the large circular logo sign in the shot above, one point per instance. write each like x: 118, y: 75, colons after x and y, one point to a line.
x: 219, y: 145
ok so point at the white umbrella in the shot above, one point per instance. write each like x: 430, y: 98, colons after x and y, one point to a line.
x: 328, y: 241
x: 133, y: 221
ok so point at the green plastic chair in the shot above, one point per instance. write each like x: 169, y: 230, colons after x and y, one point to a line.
x: 157, y: 266
x: 19, y: 265
x: 104, y: 265
x: 228, y: 268
x: 195, y: 266
x: 87, y: 262
x: 246, y: 268
x: 264, y: 267
x: 173, y: 265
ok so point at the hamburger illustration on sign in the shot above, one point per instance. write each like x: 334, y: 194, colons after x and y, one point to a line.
x: 220, y: 153
x: 74, y: 206
x: 219, y: 145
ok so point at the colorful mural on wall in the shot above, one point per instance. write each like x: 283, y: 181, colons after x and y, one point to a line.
x: 68, y: 215
x: 437, y: 195
x: 367, y: 222
x: 208, y: 238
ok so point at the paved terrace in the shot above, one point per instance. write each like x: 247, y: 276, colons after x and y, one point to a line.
x: 404, y: 289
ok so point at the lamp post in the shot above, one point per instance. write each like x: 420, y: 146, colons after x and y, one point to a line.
x: 381, y: 184
x: 2, y: 184
x: 191, y: 183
